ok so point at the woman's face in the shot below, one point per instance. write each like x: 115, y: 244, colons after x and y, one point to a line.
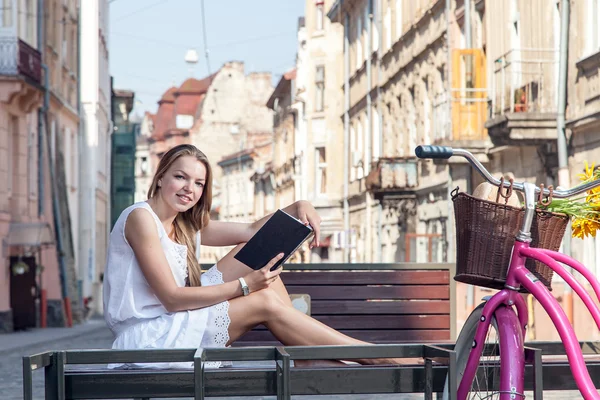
x: 182, y: 185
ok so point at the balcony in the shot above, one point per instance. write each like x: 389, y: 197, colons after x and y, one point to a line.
x: 460, y: 120
x: 393, y: 176
x: 459, y: 116
x: 17, y: 58
x: 523, y: 98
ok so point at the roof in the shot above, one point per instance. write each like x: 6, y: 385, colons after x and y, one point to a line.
x: 168, y: 96
x: 242, y: 154
x: 195, y: 86
x: 123, y: 93
x: 283, y: 84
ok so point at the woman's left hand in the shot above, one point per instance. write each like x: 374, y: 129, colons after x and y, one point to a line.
x: 308, y: 215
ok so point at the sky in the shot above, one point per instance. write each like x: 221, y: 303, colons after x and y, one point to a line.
x: 148, y: 40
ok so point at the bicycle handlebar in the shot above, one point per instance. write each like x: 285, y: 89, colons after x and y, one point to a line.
x: 445, y: 152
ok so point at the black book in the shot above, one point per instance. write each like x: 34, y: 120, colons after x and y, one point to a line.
x: 282, y: 233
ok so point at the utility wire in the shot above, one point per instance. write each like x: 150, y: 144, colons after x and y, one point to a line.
x: 140, y: 10
x: 204, y: 37
x: 218, y: 45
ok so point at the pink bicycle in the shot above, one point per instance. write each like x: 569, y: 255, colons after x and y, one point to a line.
x: 498, y: 311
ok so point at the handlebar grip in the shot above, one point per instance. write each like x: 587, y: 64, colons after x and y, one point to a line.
x: 434, y: 151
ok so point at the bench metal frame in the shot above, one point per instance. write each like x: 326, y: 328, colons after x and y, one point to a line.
x: 281, y: 380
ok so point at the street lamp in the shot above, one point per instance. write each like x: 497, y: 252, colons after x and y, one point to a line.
x: 191, y: 57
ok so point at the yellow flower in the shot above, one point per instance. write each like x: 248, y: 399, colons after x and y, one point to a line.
x: 583, y: 227
x: 590, y: 175
x: 589, y: 172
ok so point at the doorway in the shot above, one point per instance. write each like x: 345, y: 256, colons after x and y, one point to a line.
x: 23, y: 292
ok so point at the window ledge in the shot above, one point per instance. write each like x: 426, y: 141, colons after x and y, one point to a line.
x: 589, y: 62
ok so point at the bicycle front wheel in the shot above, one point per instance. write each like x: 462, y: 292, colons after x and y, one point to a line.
x: 487, y: 388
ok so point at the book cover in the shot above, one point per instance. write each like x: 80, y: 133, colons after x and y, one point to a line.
x: 282, y: 233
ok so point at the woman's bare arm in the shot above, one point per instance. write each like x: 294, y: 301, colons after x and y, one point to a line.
x: 141, y: 233
x: 221, y: 233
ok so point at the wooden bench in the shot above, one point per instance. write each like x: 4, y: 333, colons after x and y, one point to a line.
x: 380, y: 303
x: 62, y: 382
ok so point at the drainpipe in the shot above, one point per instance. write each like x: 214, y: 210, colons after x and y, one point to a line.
x: 42, y: 111
x: 80, y: 133
x: 346, y: 133
x: 451, y: 255
x: 58, y: 230
x: 468, y: 45
x: 380, y: 133
x: 43, y: 120
x: 468, y: 40
x: 369, y: 132
x: 563, y: 167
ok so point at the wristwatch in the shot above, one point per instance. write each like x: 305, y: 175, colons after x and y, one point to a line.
x: 245, y: 288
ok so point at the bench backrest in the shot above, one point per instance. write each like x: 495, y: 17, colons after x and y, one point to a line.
x: 380, y: 303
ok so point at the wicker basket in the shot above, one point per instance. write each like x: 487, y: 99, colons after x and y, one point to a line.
x: 485, y: 234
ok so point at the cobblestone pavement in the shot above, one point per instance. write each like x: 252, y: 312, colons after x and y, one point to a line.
x: 11, y: 373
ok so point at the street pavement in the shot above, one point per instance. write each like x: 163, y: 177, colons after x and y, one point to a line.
x: 94, y: 335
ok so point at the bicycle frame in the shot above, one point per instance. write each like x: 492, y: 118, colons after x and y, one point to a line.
x: 511, y: 329
x: 511, y: 326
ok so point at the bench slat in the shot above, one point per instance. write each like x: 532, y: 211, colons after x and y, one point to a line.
x: 369, y: 335
x: 434, y: 277
x: 419, y: 307
x: 372, y: 292
x: 383, y: 322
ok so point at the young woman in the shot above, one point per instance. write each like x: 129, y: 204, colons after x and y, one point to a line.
x: 155, y: 295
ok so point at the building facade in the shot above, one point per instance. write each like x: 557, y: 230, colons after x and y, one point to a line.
x: 222, y: 114
x: 320, y: 77
x: 123, y: 154
x: 21, y: 95
x: 397, y: 96
x: 143, y: 169
x: 39, y: 125
x: 62, y: 120
x: 96, y: 131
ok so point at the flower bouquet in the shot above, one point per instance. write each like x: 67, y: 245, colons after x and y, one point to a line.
x: 584, y: 211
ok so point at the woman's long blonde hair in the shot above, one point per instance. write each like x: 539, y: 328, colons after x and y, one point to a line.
x: 186, y: 224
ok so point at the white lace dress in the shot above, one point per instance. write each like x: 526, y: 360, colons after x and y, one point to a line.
x: 136, y: 316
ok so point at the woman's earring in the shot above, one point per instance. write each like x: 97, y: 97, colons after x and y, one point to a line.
x: 159, y: 184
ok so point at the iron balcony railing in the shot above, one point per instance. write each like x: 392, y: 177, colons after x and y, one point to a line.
x: 525, y: 81
x: 19, y: 58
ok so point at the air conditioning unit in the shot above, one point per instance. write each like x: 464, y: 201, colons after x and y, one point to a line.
x: 357, y: 158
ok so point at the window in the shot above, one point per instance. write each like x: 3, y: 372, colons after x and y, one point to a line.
x: 593, y: 24
x: 398, y: 18
x: 358, y: 156
x: 376, y: 135
x: 359, y: 35
x: 144, y: 165
x: 387, y: 27
x: 30, y: 17
x: 376, y: 20
x: 320, y: 16
x: 321, y: 171
x: 32, y: 158
x: 55, y: 26
x: 320, y: 88
x: 74, y: 155
x: 7, y: 13
x: 183, y: 121
x: 352, y: 152
x: 12, y: 160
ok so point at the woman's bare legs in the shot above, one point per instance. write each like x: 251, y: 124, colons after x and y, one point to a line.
x: 232, y: 269
x: 290, y: 326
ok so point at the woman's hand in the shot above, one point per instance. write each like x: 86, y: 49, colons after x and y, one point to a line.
x: 262, y: 278
x: 308, y: 215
